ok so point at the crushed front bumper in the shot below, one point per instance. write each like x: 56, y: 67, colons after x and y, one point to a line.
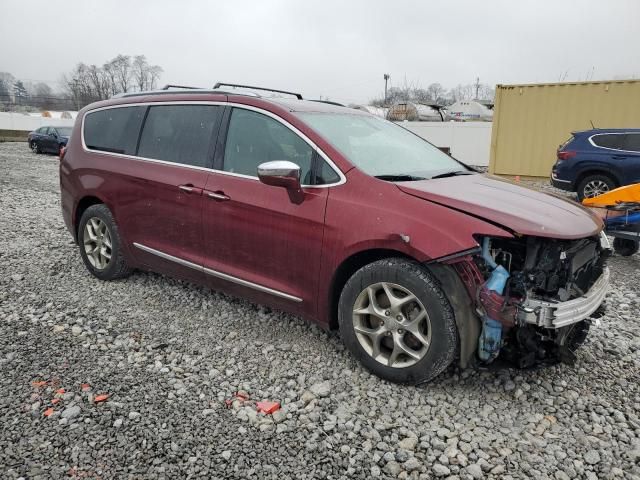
x: 560, y: 314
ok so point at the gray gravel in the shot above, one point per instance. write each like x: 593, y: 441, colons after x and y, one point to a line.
x: 168, y: 354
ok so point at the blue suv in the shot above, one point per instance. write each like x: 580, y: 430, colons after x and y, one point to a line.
x: 596, y: 161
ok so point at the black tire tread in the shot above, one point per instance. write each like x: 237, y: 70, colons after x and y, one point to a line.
x: 606, y: 178
x: 419, y: 272
x: 625, y: 247
x: 120, y: 268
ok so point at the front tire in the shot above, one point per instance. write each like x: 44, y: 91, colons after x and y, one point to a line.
x: 396, y: 320
x: 594, y: 185
x: 35, y: 148
x: 625, y: 247
x: 100, y: 244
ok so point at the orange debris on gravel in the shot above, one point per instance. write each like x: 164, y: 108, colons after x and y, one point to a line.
x: 100, y: 398
x: 267, y: 407
x: 39, y: 384
x: 48, y: 412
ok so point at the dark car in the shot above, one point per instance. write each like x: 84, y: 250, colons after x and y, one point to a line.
x: 338, y: 216
x: 595, y: 161
x: 49, y: 139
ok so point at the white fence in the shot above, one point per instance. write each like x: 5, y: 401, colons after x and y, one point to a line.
x: 470, y: 142
x: 22, y: 122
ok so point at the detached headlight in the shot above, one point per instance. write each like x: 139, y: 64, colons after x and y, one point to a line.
x: 604, y: 241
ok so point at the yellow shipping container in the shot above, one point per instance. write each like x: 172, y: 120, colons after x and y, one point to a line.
x: 531, y: 121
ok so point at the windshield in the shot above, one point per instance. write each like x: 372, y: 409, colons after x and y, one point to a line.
x: 64, y: 131
x: 381, y: 148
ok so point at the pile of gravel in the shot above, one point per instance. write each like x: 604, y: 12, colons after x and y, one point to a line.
x: 171, y: 355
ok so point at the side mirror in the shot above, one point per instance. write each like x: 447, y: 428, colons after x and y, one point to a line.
x: 280, y: 173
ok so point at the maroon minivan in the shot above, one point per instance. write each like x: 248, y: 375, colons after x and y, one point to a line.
x: 338, y: 216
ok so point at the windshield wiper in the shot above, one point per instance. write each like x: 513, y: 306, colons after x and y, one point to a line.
x: 400, y: 177
x: 454, y: 173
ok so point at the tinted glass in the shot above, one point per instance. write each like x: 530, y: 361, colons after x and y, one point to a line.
x: 64, y: 131
x: 179, y: 133
x: 609, y: 141
x: 379, y: 147
x: 42, y: 130
x: 633, y: 142
x: 326, y: 174
x: 113, y: 130
x: 254, y: 138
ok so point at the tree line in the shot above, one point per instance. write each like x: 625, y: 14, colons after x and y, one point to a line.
x: 435, y: 93
x: 83, y: 85
x: 122, y: 74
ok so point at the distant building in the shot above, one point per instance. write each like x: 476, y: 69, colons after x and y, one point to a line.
x: 470, y: 110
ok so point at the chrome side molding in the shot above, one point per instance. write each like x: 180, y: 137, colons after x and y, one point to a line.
x: 215, y: 273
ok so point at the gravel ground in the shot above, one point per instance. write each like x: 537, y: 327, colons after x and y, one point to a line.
x: 168, y: 354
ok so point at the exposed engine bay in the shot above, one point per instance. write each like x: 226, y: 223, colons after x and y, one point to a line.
x: 534, y: 294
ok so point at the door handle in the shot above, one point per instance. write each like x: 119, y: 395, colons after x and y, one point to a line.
x: 218, y: 196
x: 188, y: 188
x: 619, y: 157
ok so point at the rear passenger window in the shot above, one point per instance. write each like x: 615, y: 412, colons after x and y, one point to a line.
x: 254, y: 138
x: 609, y: 141
x: 179, y: 133
x: 114, y: 129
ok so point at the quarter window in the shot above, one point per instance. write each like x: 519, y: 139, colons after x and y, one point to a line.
x: 114, y: 129
x: 633, y: 142
x: 179, y: 133
x: 254, y: 138
x: 325, y: 174
x: 609, y: 141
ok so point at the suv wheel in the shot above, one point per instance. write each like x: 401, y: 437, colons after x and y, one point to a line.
x: 594, y: 185
x: 625, y: 247
x: 396, y: 320
x: 35, y: 148
x: 100, y: 243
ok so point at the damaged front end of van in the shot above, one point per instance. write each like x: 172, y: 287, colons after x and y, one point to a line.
x: 535, y: 298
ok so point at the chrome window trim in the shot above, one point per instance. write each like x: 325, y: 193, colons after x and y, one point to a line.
x: 215, y: 273
x: 317, y: 149
x: 612, y: 133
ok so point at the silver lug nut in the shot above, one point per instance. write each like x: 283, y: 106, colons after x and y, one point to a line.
x: 399, y: 317
x: 400, y: 331
x: 387, y: 312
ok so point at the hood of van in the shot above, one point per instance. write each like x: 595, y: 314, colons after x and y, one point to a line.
x: 522, y: 210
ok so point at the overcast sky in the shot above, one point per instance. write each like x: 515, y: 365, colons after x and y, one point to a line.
x: 334, y: 48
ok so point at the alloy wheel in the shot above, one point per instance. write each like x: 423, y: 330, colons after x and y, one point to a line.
x: 97, y: 243
x: 34, y: 147
x: 595, y: 188
x: 391, y: 325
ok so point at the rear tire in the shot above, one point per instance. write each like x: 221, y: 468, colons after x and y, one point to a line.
x: 397, y: 321
x: 594, y: 185
x: 625, y: 247
x: 100, y: 244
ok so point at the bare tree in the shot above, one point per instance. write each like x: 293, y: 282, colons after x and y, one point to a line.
x: 122, y: 65
x: 139, y: 70
x: 436, y: 93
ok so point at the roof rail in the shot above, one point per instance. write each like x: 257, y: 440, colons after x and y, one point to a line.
x: 329, y: 102
x: 235, y: 85
x: 168, y: 86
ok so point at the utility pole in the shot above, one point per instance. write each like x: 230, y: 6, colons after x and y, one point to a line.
x: 386, y: 79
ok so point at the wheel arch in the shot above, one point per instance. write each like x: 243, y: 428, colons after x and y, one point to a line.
x: 596, y: 171
x: 347, y: 268
x: 83, y: 204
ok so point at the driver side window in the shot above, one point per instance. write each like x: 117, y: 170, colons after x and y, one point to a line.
x: 254, y: 138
